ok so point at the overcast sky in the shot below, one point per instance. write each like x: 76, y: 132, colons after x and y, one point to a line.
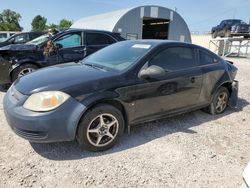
x: 200, y: 15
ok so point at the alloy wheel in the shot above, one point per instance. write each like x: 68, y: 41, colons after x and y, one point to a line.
x: 221, y: 102
x: 25, y: 71
x: 102, y: 130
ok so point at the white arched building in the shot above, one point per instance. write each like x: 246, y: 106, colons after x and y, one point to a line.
x: 144, y: 22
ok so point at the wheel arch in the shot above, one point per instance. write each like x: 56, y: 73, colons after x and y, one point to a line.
x: 113, y: 102
x: 14, y: 67
x: 226, y: 84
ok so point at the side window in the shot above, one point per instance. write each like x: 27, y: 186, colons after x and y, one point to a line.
x: 207, y: 59
x: 98, y: 39
x: 175, y: 58
x: 3, y: 36
x: 21, y: 38
x: 69, y: 40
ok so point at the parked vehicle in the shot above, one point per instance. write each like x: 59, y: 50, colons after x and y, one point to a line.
x: 121, y: 85
x: 246, y: 177
x: 66, y: 46
x: 230, y: 28
x: 4, y: 35
x: 21, y: 38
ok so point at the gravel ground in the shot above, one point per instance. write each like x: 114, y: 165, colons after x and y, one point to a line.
x: 191, y: 150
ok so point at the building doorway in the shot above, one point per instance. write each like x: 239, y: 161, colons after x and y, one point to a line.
x: 155, y: 28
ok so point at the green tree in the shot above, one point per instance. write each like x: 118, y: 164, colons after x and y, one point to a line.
x: 9, y: 21
x: 65, y: 23
x: 39, y: 23
x: 52, y: 26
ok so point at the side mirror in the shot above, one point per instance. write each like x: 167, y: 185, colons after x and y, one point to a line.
x: 152, y: 71
x: 58, y: 46
x: 12, y: 41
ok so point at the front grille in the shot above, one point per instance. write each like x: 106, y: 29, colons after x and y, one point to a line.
x: 36, y: 135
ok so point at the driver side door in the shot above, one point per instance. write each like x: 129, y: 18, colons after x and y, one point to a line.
x: 177, y: 89
x: 71, y: 48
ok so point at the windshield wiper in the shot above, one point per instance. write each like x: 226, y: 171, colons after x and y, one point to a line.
x: 94, y: 66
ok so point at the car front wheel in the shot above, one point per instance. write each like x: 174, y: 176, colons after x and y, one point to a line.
x: 220, y: 102
x: 23, y: 70
x: 100, y: 128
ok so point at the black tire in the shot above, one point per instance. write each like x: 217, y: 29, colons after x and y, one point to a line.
x: 213, y: 108
x: 214, y: 34
x: 91, y: 121
x: 5, y: 86
x: 21, y: 68
x: 227, y: 33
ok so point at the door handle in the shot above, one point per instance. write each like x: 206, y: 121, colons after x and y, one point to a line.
x: 192, y: 80
x: 79, y: 51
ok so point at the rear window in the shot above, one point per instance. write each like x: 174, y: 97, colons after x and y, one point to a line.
x: 207, y: 59
x: 98, y: 39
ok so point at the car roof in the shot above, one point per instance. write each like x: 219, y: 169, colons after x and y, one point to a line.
x: 90, y: 30
x: 232, y: 20
x: 156, y: 42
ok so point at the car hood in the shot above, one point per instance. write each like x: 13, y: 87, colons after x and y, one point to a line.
x: 18, y: 47
x: 4, y: 43
x: 74, y: 79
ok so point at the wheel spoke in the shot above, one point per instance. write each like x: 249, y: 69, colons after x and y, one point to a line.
x: 99, y: 138
x: 93, y: 130
x: 111, y: 124
x: 101, y: 120
x: 110, y: 135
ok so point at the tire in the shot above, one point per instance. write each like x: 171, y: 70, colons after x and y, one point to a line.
x: 22, y: 70
x: 6, y: 86
x: 214, y: 34
x: 214, y: 108
x: 94, y: 135
x: 227, y: 33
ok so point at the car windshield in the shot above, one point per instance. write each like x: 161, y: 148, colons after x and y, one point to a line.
x: 118, y: 56
x: 39, y: 40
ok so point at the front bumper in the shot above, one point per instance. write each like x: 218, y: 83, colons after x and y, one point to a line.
x: 53, y: 126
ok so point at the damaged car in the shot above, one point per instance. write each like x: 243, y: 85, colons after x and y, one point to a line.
x: 70, y: 45
x: 122, y: 85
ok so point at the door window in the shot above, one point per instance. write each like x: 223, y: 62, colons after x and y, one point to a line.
x: 207, y: 59
x: 69, y: 40
x: 98, y: 39
x: 22, y: 38
x: 175, y: 58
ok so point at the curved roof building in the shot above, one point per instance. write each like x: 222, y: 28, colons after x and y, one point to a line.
x: 144, y: 22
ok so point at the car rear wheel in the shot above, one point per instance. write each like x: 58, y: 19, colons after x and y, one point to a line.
x: 100, y: 128
x: 23, y: 70
x: 220, y: 102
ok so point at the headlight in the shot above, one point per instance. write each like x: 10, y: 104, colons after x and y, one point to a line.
x: 45, y: 101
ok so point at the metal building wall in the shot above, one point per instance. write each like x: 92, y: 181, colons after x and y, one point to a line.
x: 132, y: 22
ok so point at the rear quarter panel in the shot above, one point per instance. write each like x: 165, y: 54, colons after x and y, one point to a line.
x: 213, y: 77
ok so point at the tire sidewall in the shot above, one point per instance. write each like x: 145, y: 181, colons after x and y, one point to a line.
x: 89, y: 116
x: 17, y: 70
x: 213, y: 106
